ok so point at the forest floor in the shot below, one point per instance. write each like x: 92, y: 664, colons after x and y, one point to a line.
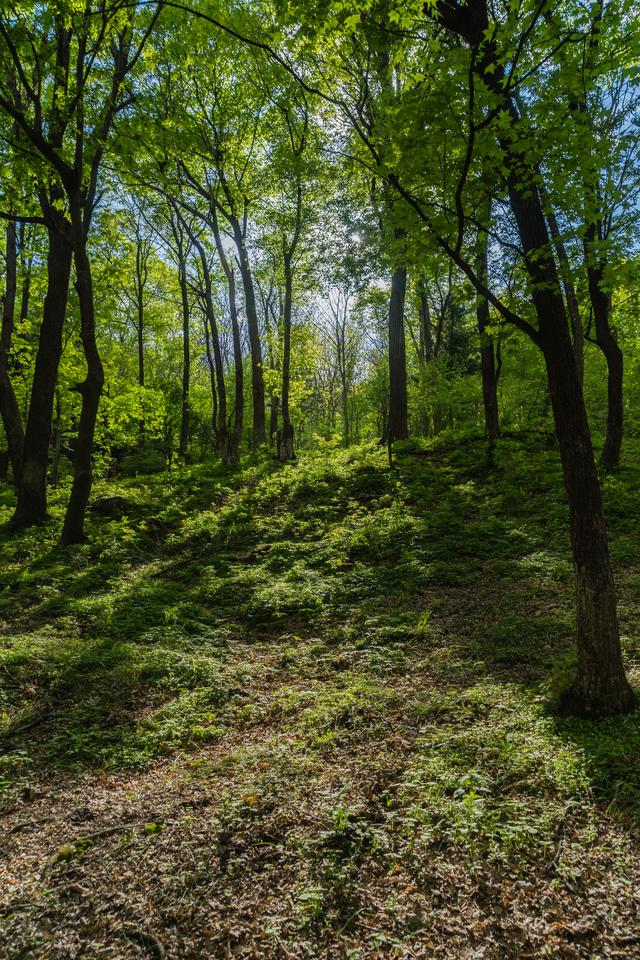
x: 306, y: 712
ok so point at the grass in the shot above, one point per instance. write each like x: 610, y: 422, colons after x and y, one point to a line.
x: 355, y: 662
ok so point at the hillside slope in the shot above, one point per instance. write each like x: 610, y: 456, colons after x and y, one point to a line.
x: 306, y: 712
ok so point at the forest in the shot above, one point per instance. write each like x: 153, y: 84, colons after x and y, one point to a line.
x: 319, y: 479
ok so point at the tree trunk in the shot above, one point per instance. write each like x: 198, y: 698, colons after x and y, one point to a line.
x: 90, y: 390
x: 426, y: 327
x: 601, y: 687
x: 9, y: 409
x: 273, y: 416
x: 186, y: 361
x: 257, y: 378
x: 32, y: 490
x: 345, y: 414
x: 234, y: 436
x: 286, y: 449
x: 487, y: 355
x: 212, y: 379
x: 569, y: 292
x: 140, y: 338
x: 397, y: 425
x: 606, y: 340
x: 238, y: 415
x: 220, y: 422
x: 57, y: 444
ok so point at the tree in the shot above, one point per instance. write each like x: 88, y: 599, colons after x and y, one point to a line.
x: 63, y: 100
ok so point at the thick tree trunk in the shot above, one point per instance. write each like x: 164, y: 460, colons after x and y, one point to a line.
x: 90, y: 390
x: 601, y: 687
x: 397, y: 425
x: 487, y: 354
x: 32, y: 489
x: 9, y: 409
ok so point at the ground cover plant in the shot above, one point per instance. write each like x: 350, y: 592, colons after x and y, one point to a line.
x: 308, y: 711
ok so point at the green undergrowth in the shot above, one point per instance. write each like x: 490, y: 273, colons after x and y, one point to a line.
x: 319, y: 608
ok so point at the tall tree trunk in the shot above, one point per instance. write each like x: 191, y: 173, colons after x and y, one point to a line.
x: 90, y: 390
x: 569, y: 292
x: 601, y: 687
x: 346, y: 420
x: 606, y: 340
x: 238, y: 415
x: 212, y: 379
x: 186, y: 360
x: 286, y: 449
x: 273, y: 416
x: 397, y: 424
x: 257, y: 378
x: 426, y: 327
x: 26, y: 263
x: 140, y: 339
x: 31, y: 507
x: 57, y: 444
x: 487, y: 354
x: 220, y: 422
x: 9, y: 409
x: 426, y: 345
x: 235, y: 436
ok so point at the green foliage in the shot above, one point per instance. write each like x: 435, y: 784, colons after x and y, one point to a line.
x: 132, y: 646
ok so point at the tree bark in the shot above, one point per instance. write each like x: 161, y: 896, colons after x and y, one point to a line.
x: 57, y: 444
x: 140, y: 280
x: 31, y: 507
x: 238, y: 414
x: 487, y: 354
x: 212, y: 379
x: 286, y: 449
x: 186, y: 359
x: 90, y: 389
x: 569, y: 292
x: 601, y: 687
x: 397, y: 424
x: 215, y: 362
x: 234, y: 436
x: 257, y: 378
x: 606, y: 340
x: 9, y: 409
x: 273, y: 416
